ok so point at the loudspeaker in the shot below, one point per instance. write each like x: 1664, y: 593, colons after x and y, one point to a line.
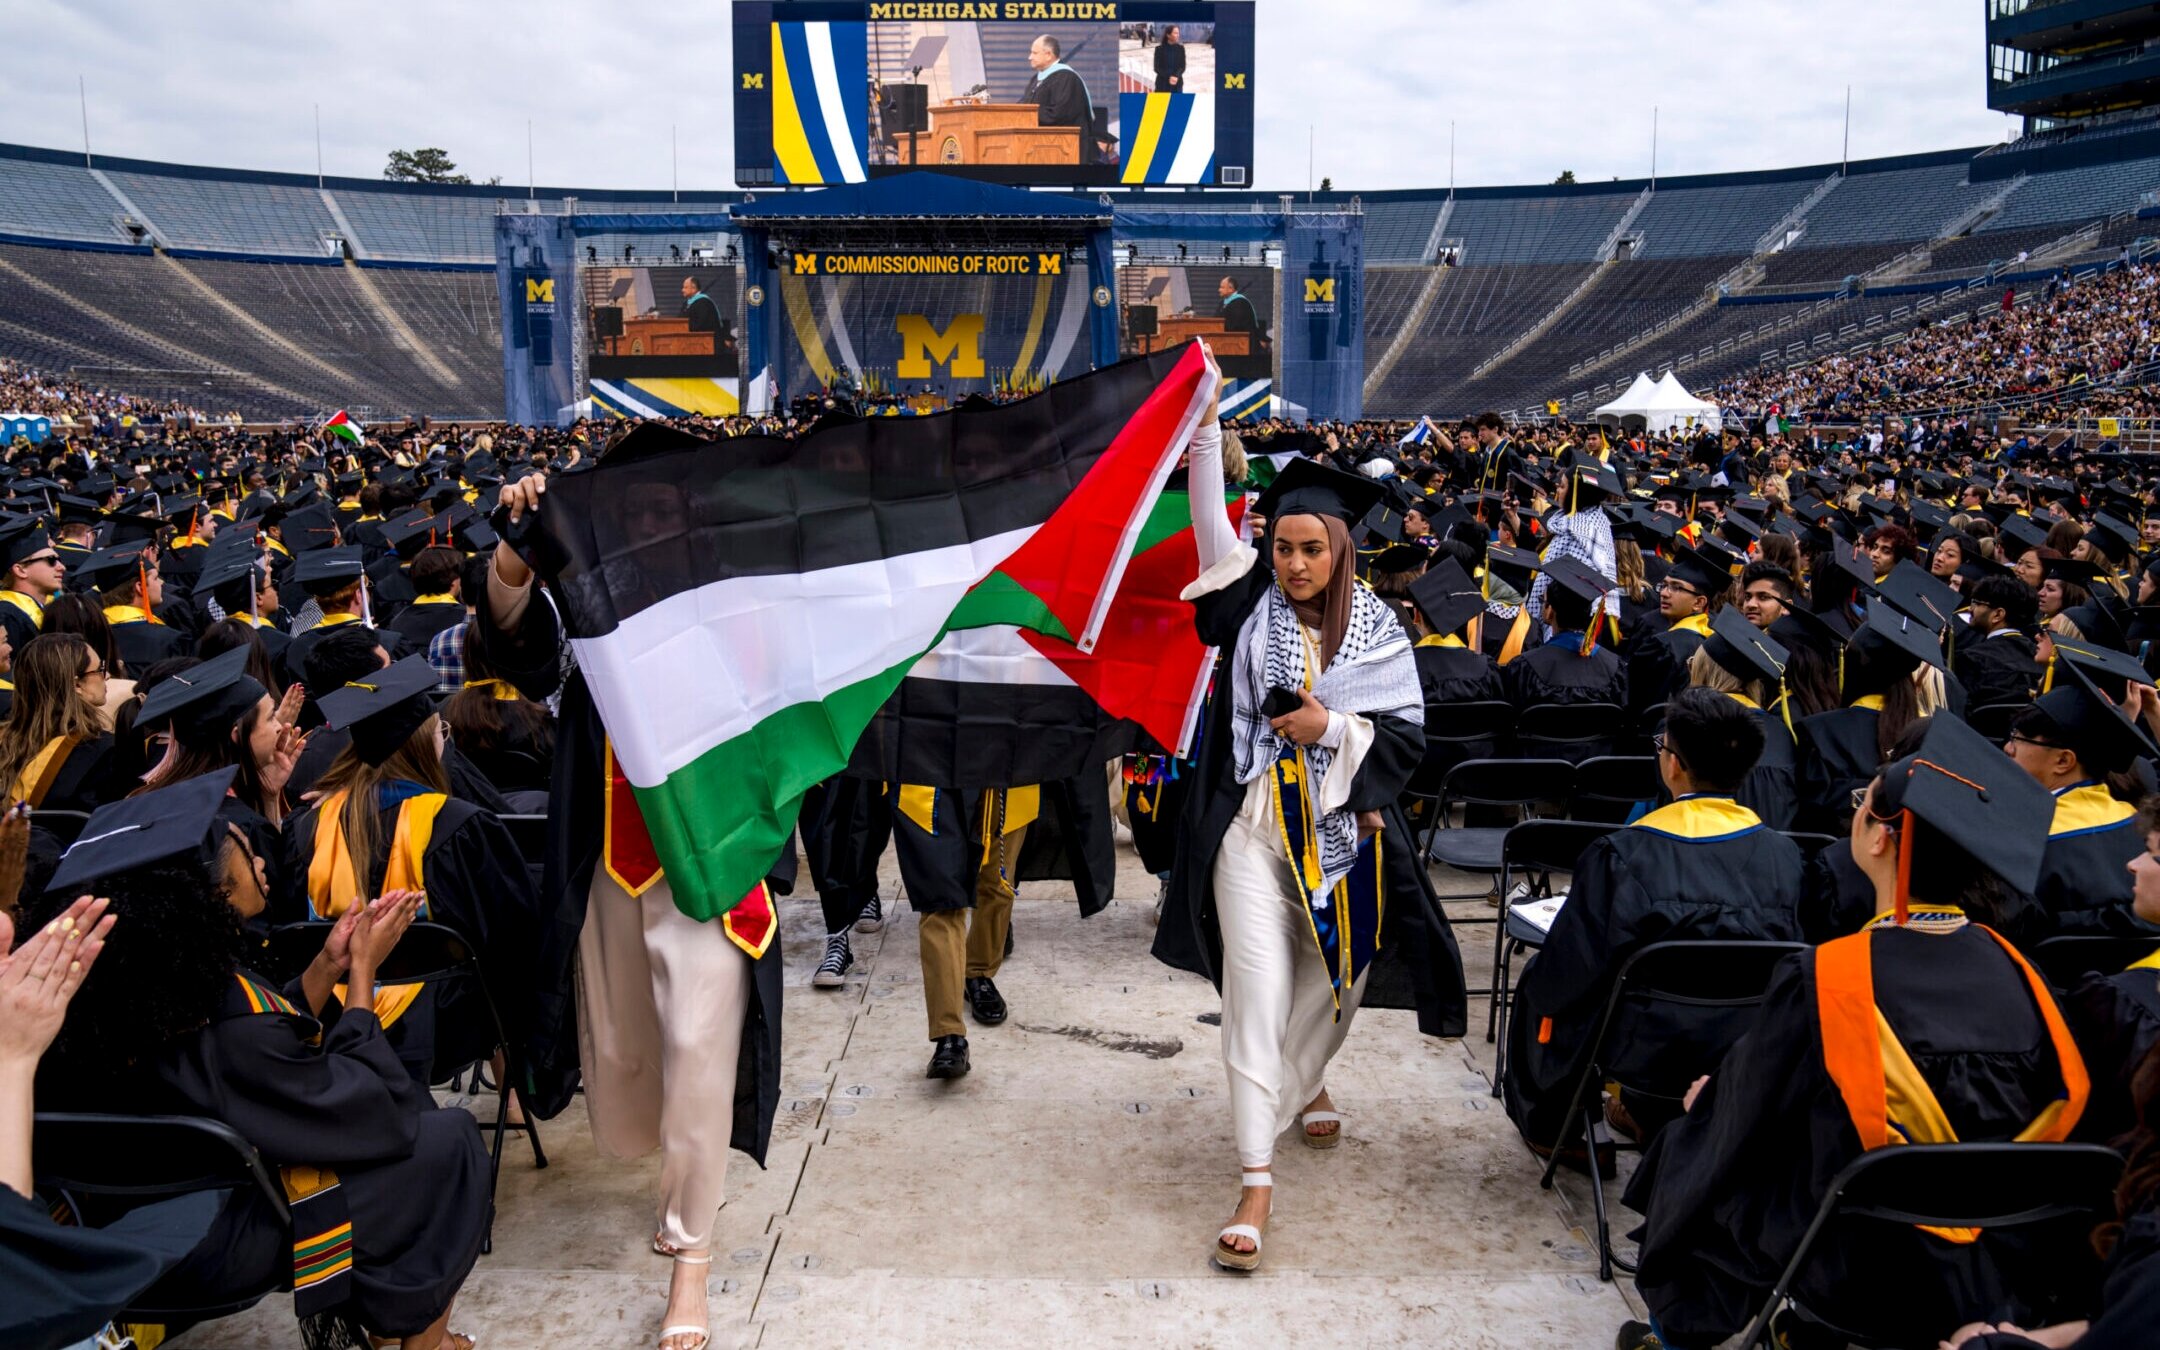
x: 904, y: 108
x: 1140, y: 320
x: 607, y: 321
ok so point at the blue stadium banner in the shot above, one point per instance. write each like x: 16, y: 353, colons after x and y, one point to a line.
x: 1323, y: 327
x: 536, y: 285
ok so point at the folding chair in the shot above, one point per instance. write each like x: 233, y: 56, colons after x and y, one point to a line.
x: 64, y: 826
x: 429, y: 953
x: 2069, y: 958
x: 1539, y: 848
x: 1647, y: 723
x: 1571, y: 731
x: 531, y: 836
x: 1518, y: 783
x: 1722, y: 974
x: 1987, y: 1186
x: 1454, y: 734
x: 1608, y: 781
x: 1993, y: 720
x: 1810, y: 844
x: 148, y: 1158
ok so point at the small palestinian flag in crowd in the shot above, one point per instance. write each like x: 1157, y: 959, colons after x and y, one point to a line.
x: 342, y: 427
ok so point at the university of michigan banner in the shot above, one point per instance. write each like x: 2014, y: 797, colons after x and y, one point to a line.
x: 536, y: 285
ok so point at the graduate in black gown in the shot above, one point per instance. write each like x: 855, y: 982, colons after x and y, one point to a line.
x: 1925, y: 1027
x: 1747, y: 665
x: 1449, y: 669
x: 131, y: 591
x: 54, y: 752
x: 336, y: 578
x: 2116, y: 1014
x: 1704, y: 866
x: 1994, y: 657
x: 1658, y: 660
x: 1842, y: 749
x: 1060, y: 96
x: 1573, y: 666
x: 2074, y: 740
x: 389, y: 1193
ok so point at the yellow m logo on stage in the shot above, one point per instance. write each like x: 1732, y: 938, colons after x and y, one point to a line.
x: 1050, y: 264
x: 806, y: 264
x: 1233, y: 79
x: 958, y: 348
x: 539, y: 290
x: 1319, y: 290
x: 753, y: 79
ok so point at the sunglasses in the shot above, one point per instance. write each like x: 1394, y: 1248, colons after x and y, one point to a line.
x: 41, y: 558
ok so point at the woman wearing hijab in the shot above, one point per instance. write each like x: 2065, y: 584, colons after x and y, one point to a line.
x: 1292, y: 822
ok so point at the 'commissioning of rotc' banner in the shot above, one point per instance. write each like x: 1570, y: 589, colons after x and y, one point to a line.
x: 742, y: 612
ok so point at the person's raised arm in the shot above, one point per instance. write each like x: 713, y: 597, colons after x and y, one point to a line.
x: 1205, y: 486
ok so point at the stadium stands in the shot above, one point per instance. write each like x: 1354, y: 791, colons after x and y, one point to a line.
x: 1535, y: 229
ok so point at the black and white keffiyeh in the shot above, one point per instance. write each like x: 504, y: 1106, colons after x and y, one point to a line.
x: 1372, y: 674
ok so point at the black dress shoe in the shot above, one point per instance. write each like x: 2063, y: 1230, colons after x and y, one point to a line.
x: 984, y: 1000
x: 950, y: 1059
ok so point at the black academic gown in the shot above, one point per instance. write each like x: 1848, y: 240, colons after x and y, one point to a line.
x: 2085, y: 884
x: 846, y: 823
x: 1061, y: 100
x: 1170, y: 68
x: 1418, y: 964
x: 2129, y: 1295
x: 1700, y: 868
x: 477, y: 884
x: 20, y: 627
x: 1729, y: 1188
x: 1998, y: 668
x: 1657, y: 666
x: 421, y: 621
x: 84, y: 782
x: 1069, y: 840
x: 1557, y: 673
x: 1456, y: 674
x: 1837, y: 754
x: 141, y: 644
x: 1772, y: 788
x: 530, y: 657
x: 2117, y: 1022
x: 412, y: 1177
x: 65, y: 1282
x: 296, y: 651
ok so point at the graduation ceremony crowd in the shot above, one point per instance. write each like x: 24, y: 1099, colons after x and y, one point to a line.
x: 304, y: 799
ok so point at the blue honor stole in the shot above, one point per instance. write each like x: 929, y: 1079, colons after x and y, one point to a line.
x: 1345, y: 925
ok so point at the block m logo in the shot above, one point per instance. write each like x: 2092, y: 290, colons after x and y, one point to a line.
x: 539, y: 290
x: 753, y: 79
x: 805, y: 264
x: 1319, y: 290
x: 1233, y: 79
x: 958, y: 348
x: 1049, y: 264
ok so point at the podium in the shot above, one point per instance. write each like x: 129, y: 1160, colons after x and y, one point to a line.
x: 988, y: 133
x: 1170, y: 331
x: 659, y: 337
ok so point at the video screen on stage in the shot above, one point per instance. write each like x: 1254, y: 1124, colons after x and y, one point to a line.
x: 1014, y: 91
x: 1230, y: 304
x: 663, y: 339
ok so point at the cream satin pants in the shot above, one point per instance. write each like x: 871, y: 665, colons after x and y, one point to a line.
x: 1279, y: 1028
x: 661, y: 1003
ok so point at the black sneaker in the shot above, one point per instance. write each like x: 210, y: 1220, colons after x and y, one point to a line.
x: 872, y: 918
x: 984, y: 1000
x: 832, y: 971
x: 950, y: 1059
x: 1637, y: 1336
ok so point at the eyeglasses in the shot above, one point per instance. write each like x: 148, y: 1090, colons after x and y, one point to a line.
x: 1668, y: 584
x: 1859, y: 799
x: 2027, y: 740
x: 98, y: 669
x: 1657, y: 743
x: 41, y: 558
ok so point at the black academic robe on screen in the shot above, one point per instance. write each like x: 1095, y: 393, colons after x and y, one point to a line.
x: 1557, y: 673
x: 1170, y: 68
x: 413, y: 1177
x: 1701, y: 868
x: 1418, y: 964
x: 1061, y: 100
x: 530, y: 657
x: 1730, y: 1187
x: 1997, y: 668
x: 1837, y: 754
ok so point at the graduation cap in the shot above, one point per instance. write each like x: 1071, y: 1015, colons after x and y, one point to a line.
x: 311, y: 527
x: 383, y: 710
x: 204, y: 701
x: 2088, y: 722
x: 1578, y: 578
x: 2098, y: 625
x: 1888, y: 632
x: 21, y: 537
x: 1512, y: 565
x: 1915, y: 591
x: 1975, y: 796
x: 134, y: 527
x: 1400, y: 558
x: 109, y: 568
x: 227, y: 568
x: 1740, y: 530
x: 1304, y: 487
x: 2113, y: 538
x: 326, y: 571
x: 2074, y: 570
x: 1705, y: 575
x: 1591, y: 483
x: 1929, y: 519
x: 2021, y: 532
x: 78, y: 510
x: 1745, y: 650
x: 172, y: 824
x: 1446, y: 596
x: 1381, y: 526
x: 409, y: 535
x: 1801, y: 627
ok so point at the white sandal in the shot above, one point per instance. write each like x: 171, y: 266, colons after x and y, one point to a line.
x: 1311, y: 1118
x: 703, y: 1333
x: 1229, y: 1257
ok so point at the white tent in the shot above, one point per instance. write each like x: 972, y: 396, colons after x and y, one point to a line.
x: 1634, y: 403
x: 1673, y: 408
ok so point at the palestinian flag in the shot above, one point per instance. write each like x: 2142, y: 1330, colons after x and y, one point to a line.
x: 342, y: 427
x: 741, y: 611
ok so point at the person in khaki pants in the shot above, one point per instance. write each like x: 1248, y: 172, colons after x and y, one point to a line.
x: 960, y: 852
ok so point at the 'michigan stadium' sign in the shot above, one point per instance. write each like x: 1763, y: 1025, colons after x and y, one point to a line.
x: 995, y: 9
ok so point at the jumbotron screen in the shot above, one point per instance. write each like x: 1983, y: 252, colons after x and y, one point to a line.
x: 1082, y: 92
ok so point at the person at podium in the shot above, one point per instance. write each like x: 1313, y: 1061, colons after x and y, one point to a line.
x: 1060, y: 96
x: 702, y: 310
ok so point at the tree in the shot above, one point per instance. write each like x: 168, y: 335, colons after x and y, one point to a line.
x: 1327, y: 185
x: 1566, y: 176
x: 428, y: 165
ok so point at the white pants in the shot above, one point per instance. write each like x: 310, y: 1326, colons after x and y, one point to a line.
x: 1279, y: 1027
x: 661, y: 1003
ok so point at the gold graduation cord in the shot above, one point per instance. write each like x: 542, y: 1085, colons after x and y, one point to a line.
x: 334, y: 881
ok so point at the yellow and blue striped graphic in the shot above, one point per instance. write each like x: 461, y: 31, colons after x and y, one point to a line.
x: 666, y: 398
x: 1246, y: 398
x: 1169, y: 138
x: 820, y: 102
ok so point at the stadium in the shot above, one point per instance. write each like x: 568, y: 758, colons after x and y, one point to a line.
x: 527, y: 711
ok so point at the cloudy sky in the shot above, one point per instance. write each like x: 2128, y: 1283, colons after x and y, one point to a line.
x: 1533, y: 86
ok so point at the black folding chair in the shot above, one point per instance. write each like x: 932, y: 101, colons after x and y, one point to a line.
x: 1989, y: 1186
x: 1993, y: 720
x: 1519, y: 784
x: 530, y: 833
x: 142, y: 1159
x: 1453, y: 731
x: 1609, y: 781
x: 1536, y: 848
x: 429, y: 953
x: 65, y: 826
x: 2069, y: 958
x: 1729, y: 975
x: 1647, y: 723
x: 1570, y: 731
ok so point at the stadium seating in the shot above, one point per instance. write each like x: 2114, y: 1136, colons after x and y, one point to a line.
x: 1508, y: 230
x: 2077, y: 194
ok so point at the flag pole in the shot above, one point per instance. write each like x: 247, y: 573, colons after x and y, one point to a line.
x: 82, y: 95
